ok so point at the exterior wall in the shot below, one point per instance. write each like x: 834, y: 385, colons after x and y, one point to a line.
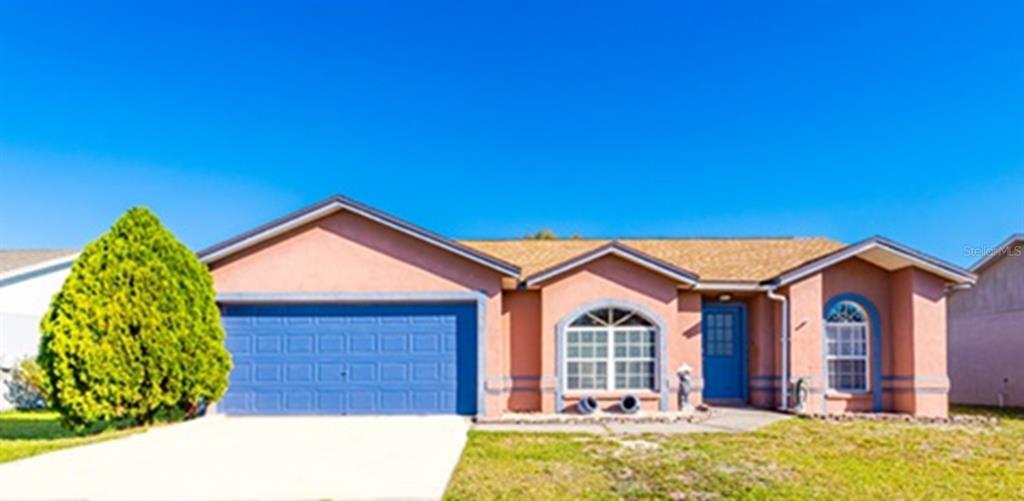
x: 521, y: 325
x: 919, y: 382
x: 684, y: 344
x: 986, y: 335
x: 806, y: 300
x: 763, y: 353
x: 859, y: 279
x: 23, y: 302
x: 611, y: 278
x: 344, y: 252
x: 907, y: 363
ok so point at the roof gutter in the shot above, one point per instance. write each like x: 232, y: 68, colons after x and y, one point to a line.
x: 784, y: 344
x: 957, y: 287
x: 732, y: 286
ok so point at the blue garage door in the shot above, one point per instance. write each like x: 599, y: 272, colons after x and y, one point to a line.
x: 351, y: 359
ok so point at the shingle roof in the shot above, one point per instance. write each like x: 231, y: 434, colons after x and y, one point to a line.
x: 713, y: 259
x: 12, y: 259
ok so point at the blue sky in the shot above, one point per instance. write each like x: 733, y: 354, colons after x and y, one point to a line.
x: 685, y: 119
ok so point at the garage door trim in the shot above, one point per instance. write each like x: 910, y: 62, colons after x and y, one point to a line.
x: 478, y: 298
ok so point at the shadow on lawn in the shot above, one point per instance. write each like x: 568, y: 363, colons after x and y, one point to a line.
x: 1004, y: 413
x: 33, y: 426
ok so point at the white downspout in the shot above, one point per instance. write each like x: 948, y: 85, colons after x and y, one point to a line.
x: 784, y: 344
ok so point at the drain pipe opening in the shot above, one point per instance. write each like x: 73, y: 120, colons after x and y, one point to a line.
x: 629, y: 404
x: 783, y: 345
x: 587, y: 405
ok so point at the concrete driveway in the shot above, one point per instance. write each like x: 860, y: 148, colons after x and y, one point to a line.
x: 221, y: 458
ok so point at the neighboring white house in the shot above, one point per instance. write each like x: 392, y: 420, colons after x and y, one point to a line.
x: 28, y: 280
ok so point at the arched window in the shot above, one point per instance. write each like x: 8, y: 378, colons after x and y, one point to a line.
x: 610, y: 349
x: 847, y: 335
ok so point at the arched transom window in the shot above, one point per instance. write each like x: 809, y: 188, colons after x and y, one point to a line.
x: 847, y: 331
x: 610, y: 349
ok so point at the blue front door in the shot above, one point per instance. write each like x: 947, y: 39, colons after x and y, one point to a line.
x: 724, y: 343
x: 351, y: 359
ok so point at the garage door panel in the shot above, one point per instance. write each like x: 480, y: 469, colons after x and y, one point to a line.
x: 268, y: 344
x: 392, y: 373
x: 364, y: 372
x: 366, y: 359
x: 299, y: 344
x: 240, y: 373
x: 299, y: 372
x: 394, y: 343
x: 362, y: 343
x: 428, y: 400
x: 239, y: 344
x: 331, y: 344
x: 267, y: 373
x: 426, y: 343
x: 299, y: 401
x: 269, y: 402
x: 394, y: 401
x: 426, y: 373
x: 330, y: 372
x: 238, y: 401
x: 330, y: 402
x: 362, y: 401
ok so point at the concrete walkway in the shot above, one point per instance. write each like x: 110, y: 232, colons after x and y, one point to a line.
x: 726, y: 420
x: 222, y: 458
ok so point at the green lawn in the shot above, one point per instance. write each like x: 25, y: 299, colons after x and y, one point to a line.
x: 24, y: 434
x: 795, y: 459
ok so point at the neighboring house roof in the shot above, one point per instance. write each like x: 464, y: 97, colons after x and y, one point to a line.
x: 339, y: 203
x: 884, y: 253
x: 1012, y: 245
x: 17, y: 262
x: 710, y: 259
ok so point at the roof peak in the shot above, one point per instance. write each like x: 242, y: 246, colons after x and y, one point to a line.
x: 336, y: 203
x: 634, y: 239
x: 996, y: 253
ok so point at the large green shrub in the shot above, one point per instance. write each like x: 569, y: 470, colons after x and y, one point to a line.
x: 134, y: 334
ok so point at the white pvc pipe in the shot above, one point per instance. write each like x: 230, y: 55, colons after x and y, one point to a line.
x: 784, y: 345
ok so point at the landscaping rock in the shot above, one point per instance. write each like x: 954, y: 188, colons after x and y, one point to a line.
x: 695, y: 416
x: 953, y: 420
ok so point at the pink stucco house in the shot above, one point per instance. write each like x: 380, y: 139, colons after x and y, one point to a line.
x: 340, y: 308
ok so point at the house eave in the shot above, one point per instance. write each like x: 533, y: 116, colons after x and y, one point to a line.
x: 906, y: 255
x: 338, y: 203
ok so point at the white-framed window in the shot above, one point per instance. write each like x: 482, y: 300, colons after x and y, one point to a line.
x: 847, y: 339
x: 610, y: 349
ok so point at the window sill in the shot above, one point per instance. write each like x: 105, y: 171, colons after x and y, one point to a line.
x: 846, y: 395
x: 610, y: 394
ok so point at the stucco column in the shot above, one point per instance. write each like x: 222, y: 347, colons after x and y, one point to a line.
x: 805, y: 339
x: 548, y: 358
x: 919, y: 384
x: 763, y: 352
x: 684, y: 347
x: 496, y: 358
